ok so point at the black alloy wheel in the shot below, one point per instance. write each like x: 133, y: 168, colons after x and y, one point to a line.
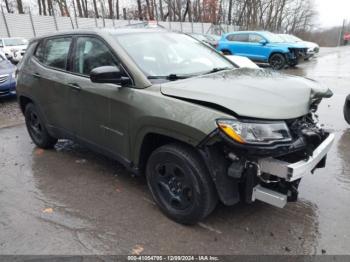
x: 180, y: 183
x: 36, y: 128
x: 277, y: 61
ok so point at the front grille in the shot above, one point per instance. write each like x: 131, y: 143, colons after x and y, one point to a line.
x: 3, y: 78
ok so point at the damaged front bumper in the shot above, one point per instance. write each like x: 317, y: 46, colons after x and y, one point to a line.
x: 293, y: 171
x: 269, y: 174
x: 289, y: 172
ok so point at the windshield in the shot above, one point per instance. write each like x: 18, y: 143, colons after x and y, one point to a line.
x: 290, y: 38
x: 15, y: 41
x: 273, y: 38
x: 166, y: 53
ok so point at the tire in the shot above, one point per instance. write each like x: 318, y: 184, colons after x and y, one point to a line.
x: 180, y: 184
x: 226, y: 52
x: 277, y: 61
x: 347, y: 109
x: 36, y: 128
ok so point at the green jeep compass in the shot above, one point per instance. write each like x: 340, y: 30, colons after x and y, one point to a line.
x: 200, y: 127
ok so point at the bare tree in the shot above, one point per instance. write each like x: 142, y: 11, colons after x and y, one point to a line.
x: 20, y: 6
x: 110, y: 7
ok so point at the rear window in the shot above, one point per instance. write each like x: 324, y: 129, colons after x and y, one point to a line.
x: 54, y: 52
x: 238, y: 37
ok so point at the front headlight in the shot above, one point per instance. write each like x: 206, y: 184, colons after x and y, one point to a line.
x: 248, y: 132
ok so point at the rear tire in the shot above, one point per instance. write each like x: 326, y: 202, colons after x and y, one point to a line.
x: 180, y: 183
x: 36, y: 128
x: 277, y: 61
x: 347, y: 109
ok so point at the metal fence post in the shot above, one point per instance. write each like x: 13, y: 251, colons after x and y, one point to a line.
x: 6, y: 25
x: 95, y: 21
x: 54, y: 17
x: 32, y: 22
x: 202, y: 27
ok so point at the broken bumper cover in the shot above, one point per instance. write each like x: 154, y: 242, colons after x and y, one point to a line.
x: 293, y: 171
x: 289, y: 172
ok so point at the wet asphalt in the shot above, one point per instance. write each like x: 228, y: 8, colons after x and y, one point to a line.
x: 72, y: 201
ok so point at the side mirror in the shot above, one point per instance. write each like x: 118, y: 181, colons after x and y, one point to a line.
x: 263, y: 42
x: 109, y: 74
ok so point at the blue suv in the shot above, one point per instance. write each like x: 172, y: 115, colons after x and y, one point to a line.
x: 7, y: 77
x: 262, y: 47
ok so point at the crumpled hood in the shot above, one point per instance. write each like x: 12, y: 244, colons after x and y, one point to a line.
x: 255, y: 93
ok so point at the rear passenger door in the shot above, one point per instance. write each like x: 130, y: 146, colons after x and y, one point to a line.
x: 104, y: 121
x: 238, y: 43
x: 50, y: 79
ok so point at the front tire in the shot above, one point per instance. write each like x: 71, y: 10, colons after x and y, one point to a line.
x: 36, y: 128
x: 277, y: 61
x: 180, y: 184
x: 226, y: 52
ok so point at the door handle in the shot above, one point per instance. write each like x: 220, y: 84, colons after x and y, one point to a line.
x: 74, y: 86
x: 36, y: 75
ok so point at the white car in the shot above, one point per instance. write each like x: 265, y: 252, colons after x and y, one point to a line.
x: 313, y: 48
x: 14, y: 48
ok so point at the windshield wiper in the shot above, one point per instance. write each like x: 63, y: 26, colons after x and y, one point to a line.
x: 171, y: 77
x: 218, y: 69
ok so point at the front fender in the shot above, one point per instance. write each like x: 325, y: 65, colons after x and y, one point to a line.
x: 165, y: 127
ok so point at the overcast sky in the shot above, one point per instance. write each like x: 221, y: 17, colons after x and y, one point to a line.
x: 332, y: 12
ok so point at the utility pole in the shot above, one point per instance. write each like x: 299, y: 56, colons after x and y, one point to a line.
x: 341, y: 34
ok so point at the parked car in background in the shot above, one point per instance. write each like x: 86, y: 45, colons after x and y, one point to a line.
x: 14, y: 48
x: 212, y: 40
x: 199, y: 127
x: 7, y: 77
x: 263, y: 47
x: 313, y: 48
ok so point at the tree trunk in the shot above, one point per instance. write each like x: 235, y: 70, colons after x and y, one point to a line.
x: 124, y: 13
x: 150, y: 15
x: 20, y: 6
x: 39, y: 5
x: 95, y: 9
x: 49, y: 6
x: 139, y: 9
x: 84, y: 6
x: 229, y: 16
x: 117, y: 9
x: 161, y: 10
x: 7, y: 7
x: 66, y: 10
x: 80, y: 11
x: 110, y: 6
x: 44, y: 6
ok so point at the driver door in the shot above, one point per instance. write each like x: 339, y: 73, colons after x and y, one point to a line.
x: 103, y: 122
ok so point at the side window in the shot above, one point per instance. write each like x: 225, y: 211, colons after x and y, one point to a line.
x: 238, y: 37
x: 56, y: 52
x: 90, y: 53
x: 1, y: 44
x: 254, y: 38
